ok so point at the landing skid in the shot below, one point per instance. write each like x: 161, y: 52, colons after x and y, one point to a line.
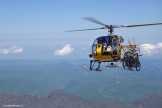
x: 88, y: 69
x: 95, y: 65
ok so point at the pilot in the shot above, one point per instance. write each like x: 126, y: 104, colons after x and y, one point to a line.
x: 104, y: 45
x: 109, y: 49
x: 109, y: 44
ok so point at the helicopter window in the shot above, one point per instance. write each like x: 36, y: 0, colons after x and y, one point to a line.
x: 121, y: 39
x: 99, y: 41
x: 107, y: 43
x: 104, y: 44
x: 109, y: 40
x: 94, y: 46
x: 115, y: 42
x: 95, y: 42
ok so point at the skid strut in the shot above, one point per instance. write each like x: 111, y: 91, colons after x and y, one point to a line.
x: 92, y: 64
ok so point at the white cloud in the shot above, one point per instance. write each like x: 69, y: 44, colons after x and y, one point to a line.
x: 67, y: 49
x: 151, y: 49
x: 11, y: 50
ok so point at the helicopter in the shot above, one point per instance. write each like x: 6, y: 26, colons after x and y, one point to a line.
x: 109, y: 48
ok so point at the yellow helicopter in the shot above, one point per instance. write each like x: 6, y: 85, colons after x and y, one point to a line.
x: 109, y: 48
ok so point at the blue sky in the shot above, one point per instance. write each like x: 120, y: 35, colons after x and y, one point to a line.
x: 34, y: 29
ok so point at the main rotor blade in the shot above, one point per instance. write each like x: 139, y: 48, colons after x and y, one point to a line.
x: 95, y: 21
x: 139, y: 25
x: 86, y: 29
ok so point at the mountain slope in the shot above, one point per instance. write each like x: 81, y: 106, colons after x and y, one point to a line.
x: 57, y: 99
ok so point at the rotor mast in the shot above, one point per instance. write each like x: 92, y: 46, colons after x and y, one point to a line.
x: 111, y: 29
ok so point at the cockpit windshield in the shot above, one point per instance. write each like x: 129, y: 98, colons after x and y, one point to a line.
x: 109, y: 43
x: 104, y: 39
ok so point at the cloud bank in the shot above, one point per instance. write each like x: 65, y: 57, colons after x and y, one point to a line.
x: 66, y: 50
x: 151, y: 49
x: 11, y: 50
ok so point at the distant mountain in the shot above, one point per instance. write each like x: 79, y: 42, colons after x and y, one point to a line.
x: 60, y: 99
x: 149, y: 101
x: 57, y: 99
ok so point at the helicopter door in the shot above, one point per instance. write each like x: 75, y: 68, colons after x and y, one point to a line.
x: 115, y: 45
